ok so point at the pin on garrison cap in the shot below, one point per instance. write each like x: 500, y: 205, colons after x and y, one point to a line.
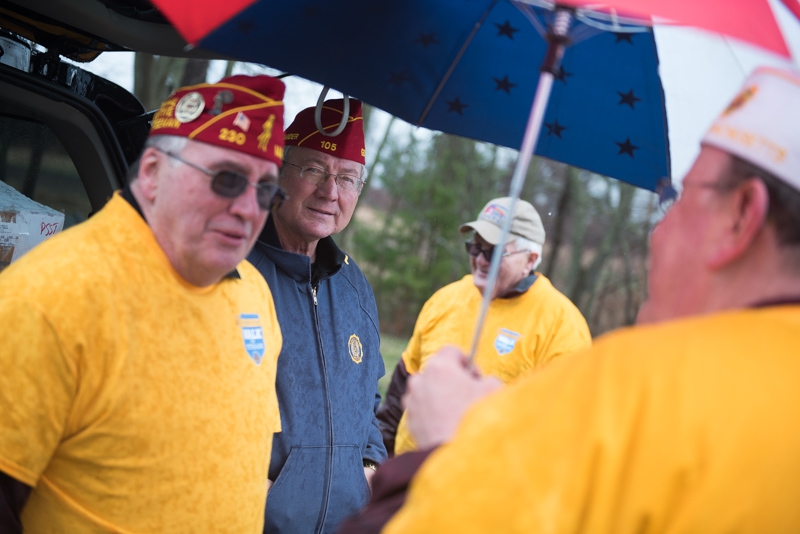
x: 243, y: 113
x: 348, y: 144
x: 762, y: 124
x: 525, y: 223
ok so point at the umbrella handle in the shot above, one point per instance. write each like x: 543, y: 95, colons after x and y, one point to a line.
x: 318, y: 113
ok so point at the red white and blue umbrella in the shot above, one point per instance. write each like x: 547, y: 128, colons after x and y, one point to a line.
x: 490, y: 70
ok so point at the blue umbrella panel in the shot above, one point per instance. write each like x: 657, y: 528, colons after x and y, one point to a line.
x: 471, y: 68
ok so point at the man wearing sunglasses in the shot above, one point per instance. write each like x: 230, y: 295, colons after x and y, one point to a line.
x: 139, y: 350
x: 528, y: 324
x: 330, y: 364
x: 685, y: 423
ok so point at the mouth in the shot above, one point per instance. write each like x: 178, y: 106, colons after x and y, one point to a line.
x: 482, y: 273
x: 319, y: 211
x: 232, y: 237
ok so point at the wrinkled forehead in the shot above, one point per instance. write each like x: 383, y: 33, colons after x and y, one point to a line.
x: 710, y: 165
x: 221, y: 158
x: 310, y: 156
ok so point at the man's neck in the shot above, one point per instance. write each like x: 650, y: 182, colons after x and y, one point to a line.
x: 294, y: 243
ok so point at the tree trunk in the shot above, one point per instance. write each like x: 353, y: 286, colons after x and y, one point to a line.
x: 155, y: 77
x: 194, y: 72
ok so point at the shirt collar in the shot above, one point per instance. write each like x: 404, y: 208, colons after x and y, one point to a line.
x: 521, y: 287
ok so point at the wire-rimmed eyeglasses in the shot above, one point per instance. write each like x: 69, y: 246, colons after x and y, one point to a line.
x: 316, y: 176
x: 231, y: 184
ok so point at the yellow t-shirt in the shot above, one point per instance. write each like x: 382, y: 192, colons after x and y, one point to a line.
x: 520, y: 334
x: 682, y: 427
x: 131, y: 400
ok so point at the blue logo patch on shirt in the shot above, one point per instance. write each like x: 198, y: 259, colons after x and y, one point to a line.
x: 253, y: 336
x: 505, y: 341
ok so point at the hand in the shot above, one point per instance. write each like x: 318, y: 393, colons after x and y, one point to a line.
x: 269, y: 485
x: 369, y: 473
x: 436, y: 398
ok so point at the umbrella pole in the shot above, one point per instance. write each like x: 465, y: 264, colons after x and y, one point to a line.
x: 557, y: 40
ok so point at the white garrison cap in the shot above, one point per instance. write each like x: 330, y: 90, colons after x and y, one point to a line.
x: 762, y: 124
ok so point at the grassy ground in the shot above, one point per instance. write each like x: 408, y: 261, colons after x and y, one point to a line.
x: 391, y: 349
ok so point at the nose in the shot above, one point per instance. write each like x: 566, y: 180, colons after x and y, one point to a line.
x: 246, y: 205
x: 328, y: 188
x: 483, y: 259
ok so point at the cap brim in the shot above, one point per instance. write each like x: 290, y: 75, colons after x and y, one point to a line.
x: 489, y: 232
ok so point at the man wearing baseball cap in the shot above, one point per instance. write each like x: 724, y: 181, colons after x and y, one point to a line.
x: 528, y: 324
x: 330, y: 364
x: 139, y: 349
x: 682, y: 424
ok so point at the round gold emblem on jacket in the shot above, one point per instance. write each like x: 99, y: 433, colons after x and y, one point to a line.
x: 355, y: 348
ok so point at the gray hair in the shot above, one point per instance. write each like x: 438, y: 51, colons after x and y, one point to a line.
x: 526, y: 244
x: 165, y: 143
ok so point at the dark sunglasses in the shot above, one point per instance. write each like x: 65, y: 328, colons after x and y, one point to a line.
x: 474, y: 250
x: 229, y: 184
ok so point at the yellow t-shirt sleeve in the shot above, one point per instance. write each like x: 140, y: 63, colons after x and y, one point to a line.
x: 412, y: 356
x: 35, y: 400
x: 570, y: 334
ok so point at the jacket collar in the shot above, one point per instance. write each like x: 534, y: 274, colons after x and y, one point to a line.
x: 330, y: 257
x: 521, y: 287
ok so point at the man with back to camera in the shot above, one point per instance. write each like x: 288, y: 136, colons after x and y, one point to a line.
x: 528, y: 323
x: 329, y: 367
x: 139, y: 354
x: 682, y: 423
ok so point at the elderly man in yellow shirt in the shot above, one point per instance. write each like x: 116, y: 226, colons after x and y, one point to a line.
x: 528, y: 323
x: 139, y: 349
x: 684, y: 423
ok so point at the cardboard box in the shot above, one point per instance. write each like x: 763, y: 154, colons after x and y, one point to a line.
x: 24, y: 224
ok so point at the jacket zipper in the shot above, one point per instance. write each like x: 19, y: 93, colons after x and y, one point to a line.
x: 326, y: 498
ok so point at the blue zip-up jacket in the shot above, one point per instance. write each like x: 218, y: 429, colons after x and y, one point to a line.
x: 327, y: 386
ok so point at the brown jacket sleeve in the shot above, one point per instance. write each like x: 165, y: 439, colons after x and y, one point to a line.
x: 391, y: 410
x: 389, y: 489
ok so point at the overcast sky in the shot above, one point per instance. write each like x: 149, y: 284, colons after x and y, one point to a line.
x: 700, y: 72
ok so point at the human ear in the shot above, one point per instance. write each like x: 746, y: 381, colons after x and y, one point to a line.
x: 746, y: 211
x: 149, y: 166
x: 532, y: 257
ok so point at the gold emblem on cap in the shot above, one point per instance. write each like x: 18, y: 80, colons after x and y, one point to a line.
x: 189, y: 107
x: 741, y: 99
x: 355, y: 348
x: 266, y: 133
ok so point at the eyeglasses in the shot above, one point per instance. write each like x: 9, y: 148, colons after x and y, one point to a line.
x: 230, y: 184
x: 317, y: 176
x: 474, y: 250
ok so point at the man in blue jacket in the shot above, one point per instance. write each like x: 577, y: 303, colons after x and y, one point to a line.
x: 328, y: 370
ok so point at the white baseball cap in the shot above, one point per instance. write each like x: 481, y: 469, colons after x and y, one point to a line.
x: 525, y: 222
x: 762, y: 124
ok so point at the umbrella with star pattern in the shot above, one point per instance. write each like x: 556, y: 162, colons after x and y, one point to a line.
x: 470, y: 68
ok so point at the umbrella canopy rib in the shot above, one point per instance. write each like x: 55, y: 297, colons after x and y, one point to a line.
x: 452, y: 66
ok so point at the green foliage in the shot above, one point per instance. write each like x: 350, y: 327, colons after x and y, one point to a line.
x: 416, y: 248
x: 409, y: 247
